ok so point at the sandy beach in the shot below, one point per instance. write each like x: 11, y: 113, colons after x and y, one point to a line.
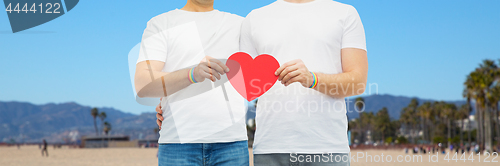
x: 31, y: 155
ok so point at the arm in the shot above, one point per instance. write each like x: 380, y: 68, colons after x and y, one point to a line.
x: 355, y: 71
x: 155, y: 83
x: 152, y: 82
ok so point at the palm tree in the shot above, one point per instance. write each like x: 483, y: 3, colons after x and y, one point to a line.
x: 491, y: 70
x: 447, y: 114
x: 453, y: 119
x: 434, y: 119
x: 405, y: 119
x: 475, y: 92
x: 353, y: 125
x: 383, y: 122
x: 359, y: 103
x: 408, y: 118
x: 102, y: 116
x: 366, y: 121
x: 487, y: 80
x: 107, y: 128
x: 156, y: 130
x: 480, y: 86
x: 462, y: 114
x: 495, y: 98
x: 495, y: 92
x: 94, y: 112
x: 468, y: 94
x: 424, y: 112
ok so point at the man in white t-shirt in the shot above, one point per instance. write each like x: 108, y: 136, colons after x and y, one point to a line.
x: 321, y: 47
x: 203, y: 115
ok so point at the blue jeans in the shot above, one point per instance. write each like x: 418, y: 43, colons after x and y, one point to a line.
x: 204, y: 154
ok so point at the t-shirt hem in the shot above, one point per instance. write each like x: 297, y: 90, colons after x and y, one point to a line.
x: 142, y: 60
x: 363, y: 48
x: 204, y: 141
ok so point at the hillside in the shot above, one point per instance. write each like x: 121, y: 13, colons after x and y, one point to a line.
x: 26, y: 122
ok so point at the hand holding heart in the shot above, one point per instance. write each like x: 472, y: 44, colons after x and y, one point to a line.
x: 253, y: 77
x: 208, y: 68
x: 294, y: 71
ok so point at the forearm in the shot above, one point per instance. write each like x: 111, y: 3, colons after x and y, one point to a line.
x: 341, y: 85
x: 161, y: 84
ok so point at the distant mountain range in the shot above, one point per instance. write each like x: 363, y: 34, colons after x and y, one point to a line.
x: 29, y: 122
x: 26, y: 122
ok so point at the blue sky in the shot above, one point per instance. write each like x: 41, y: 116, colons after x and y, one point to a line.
x: 415, y: 48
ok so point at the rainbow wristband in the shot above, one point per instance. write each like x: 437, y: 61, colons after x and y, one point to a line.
x: 315, y: 82
x: 191, y: 76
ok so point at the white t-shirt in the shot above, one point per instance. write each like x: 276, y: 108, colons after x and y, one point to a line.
x: 198, y: 113
x: 296, y: 119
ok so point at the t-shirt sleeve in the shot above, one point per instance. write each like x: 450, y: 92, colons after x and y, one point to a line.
x: 153, y: 44
x: 354, y: 33
x: 246, y: 41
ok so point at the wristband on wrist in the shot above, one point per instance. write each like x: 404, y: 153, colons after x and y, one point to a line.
x: 191, y: 76
x: 315, y: 81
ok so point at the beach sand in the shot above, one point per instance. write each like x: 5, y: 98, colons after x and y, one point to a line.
x: 31, y: 155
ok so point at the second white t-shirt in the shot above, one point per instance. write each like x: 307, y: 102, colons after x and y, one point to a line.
x: 296, y: 119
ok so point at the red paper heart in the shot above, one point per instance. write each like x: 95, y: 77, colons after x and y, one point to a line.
x: 252, y: 77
